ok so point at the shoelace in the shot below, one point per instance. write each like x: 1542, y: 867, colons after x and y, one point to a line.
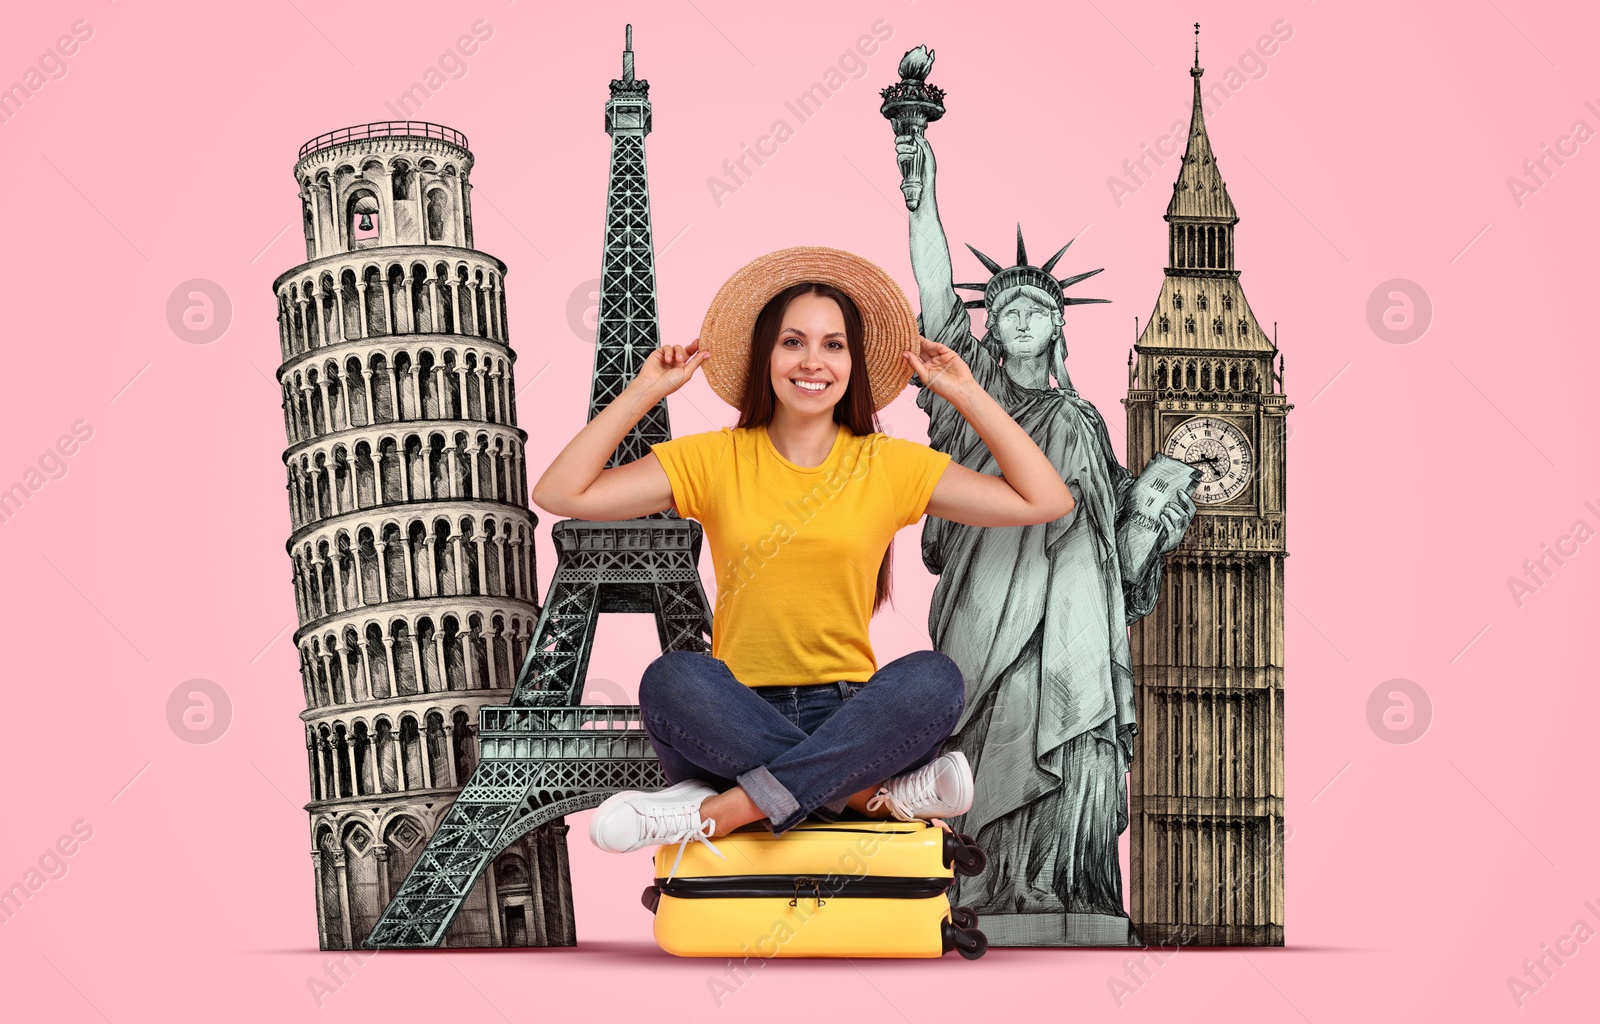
x: 904, y: 792
x: 679, y: 826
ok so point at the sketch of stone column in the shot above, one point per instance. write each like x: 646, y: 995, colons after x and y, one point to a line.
x: 345, y: 392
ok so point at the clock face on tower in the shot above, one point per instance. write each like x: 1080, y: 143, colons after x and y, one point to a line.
x: 1221, y: 452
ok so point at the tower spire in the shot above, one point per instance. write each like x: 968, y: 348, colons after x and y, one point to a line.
x: 1201, y: 304
x: 627, y: 328
x: 1200, y: 191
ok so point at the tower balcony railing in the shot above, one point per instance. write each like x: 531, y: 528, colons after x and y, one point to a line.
x: 501, y: 721
x: 385, y: 130
x: 510, y: 733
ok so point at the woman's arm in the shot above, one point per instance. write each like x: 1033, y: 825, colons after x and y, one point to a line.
x: 577, y: 486
x: 1030, y: 489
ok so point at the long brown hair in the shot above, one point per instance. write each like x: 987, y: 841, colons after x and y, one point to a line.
x: 854, y: 410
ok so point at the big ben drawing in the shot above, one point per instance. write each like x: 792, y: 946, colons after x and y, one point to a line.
x: 1206, y: 784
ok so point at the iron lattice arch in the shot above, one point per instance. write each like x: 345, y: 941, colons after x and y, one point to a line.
x: 538, y: 766
x: 644, y: 566
x: 546, y: 755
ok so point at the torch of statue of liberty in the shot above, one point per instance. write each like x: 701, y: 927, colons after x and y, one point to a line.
x: 1035, y: 616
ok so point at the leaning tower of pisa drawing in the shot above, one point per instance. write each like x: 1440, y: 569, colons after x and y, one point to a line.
x: 411, y: 540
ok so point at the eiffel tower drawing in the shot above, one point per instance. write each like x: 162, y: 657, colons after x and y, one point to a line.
x: 546, y: 755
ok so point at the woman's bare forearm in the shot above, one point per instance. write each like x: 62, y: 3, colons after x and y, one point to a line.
x: 584, y: 458
x: 1027, y: 469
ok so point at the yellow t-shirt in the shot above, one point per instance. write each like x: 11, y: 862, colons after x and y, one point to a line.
x: 797, y: 548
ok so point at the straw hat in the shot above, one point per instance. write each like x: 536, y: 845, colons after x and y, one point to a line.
x: 890, y: 325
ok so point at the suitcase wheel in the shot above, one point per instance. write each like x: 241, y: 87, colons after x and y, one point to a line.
x: 651, y: 898
x: 969, y: 942
x: 964, y: 854
x: 964, y: 917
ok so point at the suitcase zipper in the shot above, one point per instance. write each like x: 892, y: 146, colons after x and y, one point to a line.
x: 847, y: 827
x: 743, y: 886
x: 955, y: 847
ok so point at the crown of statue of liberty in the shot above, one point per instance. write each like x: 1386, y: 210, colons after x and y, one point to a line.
x: 1023, y: 274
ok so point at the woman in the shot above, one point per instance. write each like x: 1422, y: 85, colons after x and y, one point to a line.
x: 790, y: 714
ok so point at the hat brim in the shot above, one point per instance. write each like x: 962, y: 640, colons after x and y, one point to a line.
x: 889, y: 324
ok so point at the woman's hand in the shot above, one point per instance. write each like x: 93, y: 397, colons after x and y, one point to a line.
x: 670, y: 367
x: 940, y: 369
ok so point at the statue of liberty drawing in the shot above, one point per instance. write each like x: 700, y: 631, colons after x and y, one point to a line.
x: 1035, y: 616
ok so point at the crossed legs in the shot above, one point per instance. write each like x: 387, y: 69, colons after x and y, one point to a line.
x: 704, y: 723
x: 735, y: 808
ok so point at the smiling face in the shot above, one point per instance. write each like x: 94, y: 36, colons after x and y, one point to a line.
x: 811, y: 358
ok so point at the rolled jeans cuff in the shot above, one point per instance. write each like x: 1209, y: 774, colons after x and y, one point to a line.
x: 783, y: 811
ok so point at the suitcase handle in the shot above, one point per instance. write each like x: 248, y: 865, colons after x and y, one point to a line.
x: 651, y: 897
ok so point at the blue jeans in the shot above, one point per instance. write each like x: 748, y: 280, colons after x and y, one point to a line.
x: 798, y: 750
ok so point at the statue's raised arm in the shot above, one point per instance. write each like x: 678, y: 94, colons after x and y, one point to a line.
x: 944, y: 315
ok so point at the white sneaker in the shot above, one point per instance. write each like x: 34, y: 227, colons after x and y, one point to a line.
x: 940, y: 789
x: 633, y: 819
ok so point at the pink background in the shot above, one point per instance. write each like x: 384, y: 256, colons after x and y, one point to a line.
x: 1375, y: 146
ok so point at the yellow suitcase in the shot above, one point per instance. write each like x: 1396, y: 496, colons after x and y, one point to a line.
x: 845, y: 888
